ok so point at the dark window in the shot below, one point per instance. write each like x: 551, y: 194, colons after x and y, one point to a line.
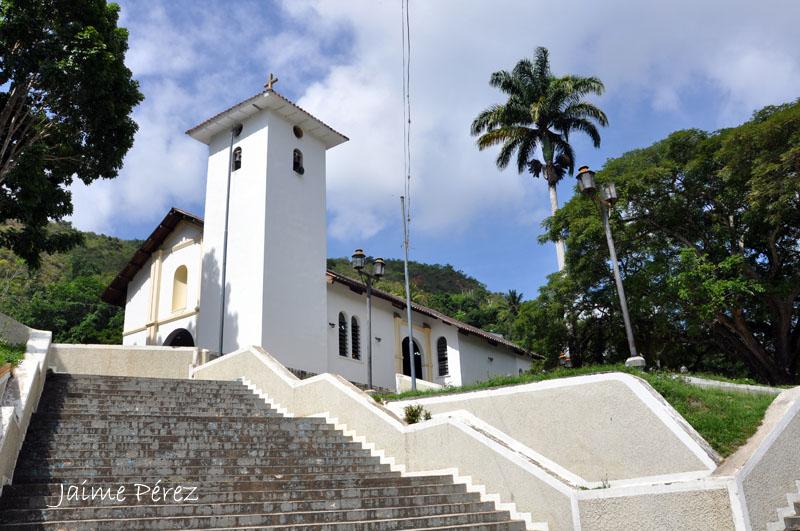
x: 236, y: 163
x: 441, y: 356
x: 355, y: 338
x: 342, y: 334
x: 297, y: 162
x: 417, y: 360
x: 297, y: 131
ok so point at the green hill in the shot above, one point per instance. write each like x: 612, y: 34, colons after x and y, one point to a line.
x: 63, y: 295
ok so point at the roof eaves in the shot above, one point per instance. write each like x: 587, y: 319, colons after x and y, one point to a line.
x: 116, y: 291
x: 430, y: 312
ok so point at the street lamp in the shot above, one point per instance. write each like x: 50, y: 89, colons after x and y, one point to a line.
x: 606, y: 199
x: 359, y: 262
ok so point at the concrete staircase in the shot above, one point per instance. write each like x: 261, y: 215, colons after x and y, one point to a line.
x: 789, y: 516
x: 175, y: 454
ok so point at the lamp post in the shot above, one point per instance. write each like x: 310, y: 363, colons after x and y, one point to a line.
x: 359, y: 262
x: 606, y: 200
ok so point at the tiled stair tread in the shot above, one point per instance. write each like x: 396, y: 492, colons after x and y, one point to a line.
x: 252, y: 467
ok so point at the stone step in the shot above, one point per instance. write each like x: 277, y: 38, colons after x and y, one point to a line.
x: 242, y: 496
x: 143, y: 506
x: 149, y: 410
x: 38, y: 473
x: 792, y: 523
x: 106, y: 399
x: 145, y: 429
x: 114, y: 462
x: 42, y: 442
x: 339, y: 482
x: 199, y: 475
x: 134, y: 420
x: 394, y: 518
x: 77, y: 448
x: 87, y: 381
x: 248, y: 466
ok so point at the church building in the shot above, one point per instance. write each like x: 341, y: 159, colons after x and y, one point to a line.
x: 253, y: 270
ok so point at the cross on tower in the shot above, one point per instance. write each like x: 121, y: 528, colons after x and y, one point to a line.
x: 271, y: 81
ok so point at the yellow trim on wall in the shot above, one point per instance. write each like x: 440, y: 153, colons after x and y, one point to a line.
x: 156, y: 324
x: 422, y: 333
x: 155, y: 292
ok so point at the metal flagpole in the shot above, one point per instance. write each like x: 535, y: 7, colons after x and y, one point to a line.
x: 235, y: 131
x: 408, y: 297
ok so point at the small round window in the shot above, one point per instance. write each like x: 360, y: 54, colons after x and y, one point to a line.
x: 298, y: 132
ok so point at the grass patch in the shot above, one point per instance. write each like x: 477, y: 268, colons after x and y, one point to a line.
x: 726, y: 419
x: 12, y: 354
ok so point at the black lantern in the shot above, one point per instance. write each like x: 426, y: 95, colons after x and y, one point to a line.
x: 379, y: 266
x: 586, y: 180
x: 610, y: 193
x: 358, y: 260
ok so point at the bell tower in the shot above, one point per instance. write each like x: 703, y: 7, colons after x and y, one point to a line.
x: 264, y: 237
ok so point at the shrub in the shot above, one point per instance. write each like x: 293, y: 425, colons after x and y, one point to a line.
x: 414, y: 414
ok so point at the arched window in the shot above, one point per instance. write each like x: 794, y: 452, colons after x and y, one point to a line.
x: 441, y: 356
x: 179, y: 288
x: 355, y: 338
x: 236, y: 163
x: 342, y: 334
x: 297, y: 162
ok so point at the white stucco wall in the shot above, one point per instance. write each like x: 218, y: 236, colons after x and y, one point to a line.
x: 294, y: 297
x: 341, y: 298
x: 120, y: 360
x: 480, y: 360
x: 598, y: 428
x: 182, y: 247
x: 246, y: 224
x: 137, y: 301
x: 388, y: 324
x: 772, y: 469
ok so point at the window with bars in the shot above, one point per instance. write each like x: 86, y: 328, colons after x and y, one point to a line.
x: 355, y: 338
x: 342, y: 334
x: 441, y: 356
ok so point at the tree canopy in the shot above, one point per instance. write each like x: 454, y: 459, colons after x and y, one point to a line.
x: 707, y: 230
x: 65, y: 108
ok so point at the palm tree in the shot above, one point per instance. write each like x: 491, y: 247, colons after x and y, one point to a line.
x: 541, y: 112
x: 514, y: 300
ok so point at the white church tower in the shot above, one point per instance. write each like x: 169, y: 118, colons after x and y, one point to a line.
x: 265, y: 230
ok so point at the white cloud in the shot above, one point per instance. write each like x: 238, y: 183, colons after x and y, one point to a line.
x: 343, y: 58
x: 646, y: 52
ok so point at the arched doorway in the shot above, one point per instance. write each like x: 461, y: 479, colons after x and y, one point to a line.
x: 179, y: 338
x: 417, y: 359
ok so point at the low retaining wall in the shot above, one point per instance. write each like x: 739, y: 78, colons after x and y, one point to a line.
x: 598, y: 429
x: 22, y: 391
x: 769, y: 464
x: 729, y: 386
x: 402, y: 383
x: 478, y: 454
x: 119, y: 360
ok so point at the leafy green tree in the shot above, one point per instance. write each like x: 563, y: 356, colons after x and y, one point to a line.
x: 541, y: 112
x: 74, y: 312
x: 706, y: 229
x: 65, y: 108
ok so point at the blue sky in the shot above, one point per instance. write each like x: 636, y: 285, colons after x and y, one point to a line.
x: 666, y: 66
